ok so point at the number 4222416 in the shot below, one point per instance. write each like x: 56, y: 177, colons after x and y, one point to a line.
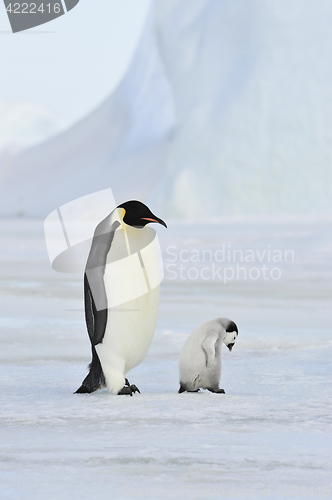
x: 31, y: 8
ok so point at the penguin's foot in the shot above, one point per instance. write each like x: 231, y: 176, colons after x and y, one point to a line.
x: 133, y: 387
x: 183, y: 389
x: 129, y: 389
x: 217, y: 391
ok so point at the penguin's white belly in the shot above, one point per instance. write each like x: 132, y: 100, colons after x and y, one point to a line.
x: 130, y: 329
x: 128, y: 336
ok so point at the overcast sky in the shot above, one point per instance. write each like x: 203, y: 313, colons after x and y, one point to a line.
x: 68, y: 66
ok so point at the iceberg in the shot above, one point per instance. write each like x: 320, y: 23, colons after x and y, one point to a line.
x: 224, y: 110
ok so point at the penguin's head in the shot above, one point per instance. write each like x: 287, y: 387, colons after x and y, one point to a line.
x: 138, y: 215
x: 231, y: 334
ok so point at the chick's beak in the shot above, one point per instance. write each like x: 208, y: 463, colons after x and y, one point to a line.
x: 230, y: 346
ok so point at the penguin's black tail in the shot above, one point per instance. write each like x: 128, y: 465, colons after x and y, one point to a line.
x: 95, y: 378
x: 182, y: 389
x: 84, y: 389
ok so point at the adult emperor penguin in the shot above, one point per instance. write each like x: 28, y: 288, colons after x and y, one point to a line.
x: 121, y: 296
x: 200, y: 360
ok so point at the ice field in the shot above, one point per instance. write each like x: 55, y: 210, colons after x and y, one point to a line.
x: 269, y: 435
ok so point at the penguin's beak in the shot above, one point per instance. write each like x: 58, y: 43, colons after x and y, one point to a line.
x: 230, y: 346
x: 155, y: 219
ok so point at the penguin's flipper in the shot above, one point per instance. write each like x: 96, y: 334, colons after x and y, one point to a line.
x: 95, y: 297
x: 95, y: 320
x: 209, y: 349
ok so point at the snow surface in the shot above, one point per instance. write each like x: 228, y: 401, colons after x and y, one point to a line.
x: 271, y: 429
x: 226, y: 109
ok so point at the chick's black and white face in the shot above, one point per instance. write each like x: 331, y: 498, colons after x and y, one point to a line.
x: 231, y: 335
x: 138, y: 215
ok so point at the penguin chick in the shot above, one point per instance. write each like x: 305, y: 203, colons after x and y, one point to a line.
x: 200, y: 360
